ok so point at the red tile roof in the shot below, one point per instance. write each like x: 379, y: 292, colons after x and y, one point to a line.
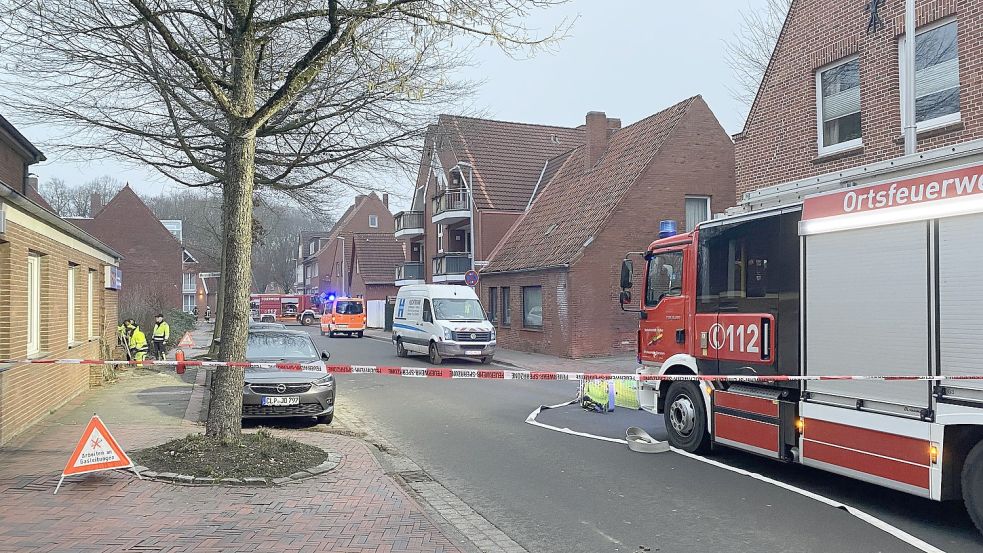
x: 507, y: 157
x: 377, y: 255
x: 575, y: 205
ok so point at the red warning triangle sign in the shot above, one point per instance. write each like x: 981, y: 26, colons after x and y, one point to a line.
x: 186, y: 341
x: 97, y: 450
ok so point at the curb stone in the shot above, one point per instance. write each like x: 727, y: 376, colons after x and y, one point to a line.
x: 300, y: 475
x: 231, y: 481
x: 168, y: 476
x: 252, y: 481
x: 184, y: 479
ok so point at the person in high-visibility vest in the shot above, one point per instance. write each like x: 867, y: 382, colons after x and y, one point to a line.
x: 162, y: 333
x: 123, y: 338
x: 138, y: 342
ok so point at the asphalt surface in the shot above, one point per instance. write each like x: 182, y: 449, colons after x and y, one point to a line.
x: 551, y: 491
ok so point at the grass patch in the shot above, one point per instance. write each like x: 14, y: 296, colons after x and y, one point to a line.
x: 259, y: 454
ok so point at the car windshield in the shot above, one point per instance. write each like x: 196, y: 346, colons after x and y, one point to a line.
x: 348, y: 308
x: 458, y: 310
x: 278, y: 346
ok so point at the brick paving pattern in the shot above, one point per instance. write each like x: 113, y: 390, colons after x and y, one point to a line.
x: 355, y: 508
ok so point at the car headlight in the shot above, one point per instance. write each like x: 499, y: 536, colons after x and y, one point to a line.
x: 493, y: 334
x: 325, y: 382
x: 448, y: 334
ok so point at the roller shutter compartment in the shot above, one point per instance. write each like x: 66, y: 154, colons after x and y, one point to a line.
x: 961, y: 302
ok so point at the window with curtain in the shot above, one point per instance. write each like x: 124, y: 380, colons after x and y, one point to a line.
x: 90, y: 290
x: 697, y: 211
x: 532, y: 306
x: 838, y: 90
x: 70, y: 312
x: 506, y: 306
x: 33, y: 304
x: 936, y: 75
x: 492, y: 304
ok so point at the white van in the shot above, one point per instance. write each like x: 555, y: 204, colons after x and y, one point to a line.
x: 442, y: 321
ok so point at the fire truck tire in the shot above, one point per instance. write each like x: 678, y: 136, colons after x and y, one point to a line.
x: 308, y: 320
x: 686, y: 418
x: 435, y: 357
x: 401, y: 349
x: 972, y: 483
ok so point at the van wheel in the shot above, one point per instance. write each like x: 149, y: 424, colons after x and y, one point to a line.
x: 322, y: 333
x: 435, y: 357
x: 401, y: 349
x: 358, y: 334
x: 686, y: 418
x: 972, y: 482
x: 330, y: 334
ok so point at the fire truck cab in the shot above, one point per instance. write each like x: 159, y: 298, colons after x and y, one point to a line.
x: 871, y: 272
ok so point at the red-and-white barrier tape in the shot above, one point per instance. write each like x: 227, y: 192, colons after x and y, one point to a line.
x: 490, y: 374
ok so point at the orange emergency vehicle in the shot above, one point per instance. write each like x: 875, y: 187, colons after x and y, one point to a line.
x: 344, y: 315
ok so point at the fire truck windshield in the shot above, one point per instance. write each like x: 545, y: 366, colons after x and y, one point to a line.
x: 665, y: 277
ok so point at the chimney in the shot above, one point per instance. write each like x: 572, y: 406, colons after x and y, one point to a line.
x: 30, y: 182
x: 95, y: 204
x: 385, y: 199
x: 597, y: 138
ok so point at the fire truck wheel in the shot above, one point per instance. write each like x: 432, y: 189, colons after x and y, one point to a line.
x: 435, y: 357
x: 400, y: 349
x: 308, y: 320
x: 686, y: 418
x: 972, y: 482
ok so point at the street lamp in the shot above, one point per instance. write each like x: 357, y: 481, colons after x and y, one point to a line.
x: 467, y: 186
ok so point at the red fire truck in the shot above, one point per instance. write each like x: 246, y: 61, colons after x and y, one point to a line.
x: 302, y: 308
x: 872, y: 271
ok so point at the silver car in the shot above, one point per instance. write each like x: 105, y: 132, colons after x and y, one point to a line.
x: 287, y: 393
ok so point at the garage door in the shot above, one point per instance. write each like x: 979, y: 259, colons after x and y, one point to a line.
x: 867, y: 313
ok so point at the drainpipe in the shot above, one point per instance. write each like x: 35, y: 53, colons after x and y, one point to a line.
x: 910, y: 128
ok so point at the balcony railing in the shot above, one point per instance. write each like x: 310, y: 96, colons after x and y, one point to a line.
x: 451, y: 200
x: 452, y: 264
x: 411, y: 270
x: 409, y: 220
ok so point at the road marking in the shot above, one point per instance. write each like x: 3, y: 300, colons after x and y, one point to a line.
x: 866, y: 517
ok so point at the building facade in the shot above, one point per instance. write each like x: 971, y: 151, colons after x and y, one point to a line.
x: 375, y: 257
x: 153, y: 258
x: 830, y: 99
x: 329, y: 268
x: 476, y: 178
x: 552, y: 285
x: 58, y: 296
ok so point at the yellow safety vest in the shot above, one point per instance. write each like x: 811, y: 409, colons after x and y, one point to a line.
x: 162, y: 331
x: 138, y: 340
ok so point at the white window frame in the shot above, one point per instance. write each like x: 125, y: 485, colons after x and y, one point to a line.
x: 189, y: 285
x: 187, y: 308
x: 944, y: 120
x: 70, y: 311
x: 90, y: 288
x: 374, y: 221
x: 33, y: 304
x: 842, y: 146
x: 709, y: 213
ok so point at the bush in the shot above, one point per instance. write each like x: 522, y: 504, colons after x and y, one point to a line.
x: 180, y: 323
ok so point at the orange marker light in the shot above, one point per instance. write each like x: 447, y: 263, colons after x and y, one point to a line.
x: 800, y: 425
x: 933, y: 453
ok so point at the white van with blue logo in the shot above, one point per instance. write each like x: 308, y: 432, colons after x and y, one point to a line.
x: 442, y: 321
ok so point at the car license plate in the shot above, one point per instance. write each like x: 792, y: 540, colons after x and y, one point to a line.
x: 473, y: 352
x: 342, y: 325
x: 281, y: 400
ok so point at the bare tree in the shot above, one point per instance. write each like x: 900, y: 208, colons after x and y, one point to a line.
x: 748, y: 52
x: 239, y: 94
x: 70, y: 200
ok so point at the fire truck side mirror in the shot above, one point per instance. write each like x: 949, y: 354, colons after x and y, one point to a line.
x: 626, y: 272
x: 625, y: 297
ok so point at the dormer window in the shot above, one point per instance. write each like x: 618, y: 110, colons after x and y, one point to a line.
x: 374, y: 221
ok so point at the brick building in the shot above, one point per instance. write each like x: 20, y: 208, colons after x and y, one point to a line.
x: 476, y: 178
x: 309, y: 242
x: 152, y: 256
x: 551, y: 286
x: 830, y: 99
x: 375, y: 257
x: 57, y: 295
x: 329, y: 268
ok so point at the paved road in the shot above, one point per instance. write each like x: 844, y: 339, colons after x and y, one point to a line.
x: 556, y: 492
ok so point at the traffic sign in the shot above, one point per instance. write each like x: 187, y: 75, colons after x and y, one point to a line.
x: 471, y: 278
x: 186, y: 341
x: 96, y: 451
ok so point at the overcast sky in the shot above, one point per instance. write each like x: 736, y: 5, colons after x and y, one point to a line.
x: 628, y: 58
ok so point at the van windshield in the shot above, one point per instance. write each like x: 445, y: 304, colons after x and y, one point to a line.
x: 458, y: 310
x: 348, y: 308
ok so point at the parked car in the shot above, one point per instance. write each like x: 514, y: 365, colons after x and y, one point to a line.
x: 344, y: 315
x: 442, y: 321
x: 265, y: 325
x: 287, y: 393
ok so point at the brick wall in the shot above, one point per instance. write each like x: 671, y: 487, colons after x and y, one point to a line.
x: 779, y: 142
x: 554, y: 337
x: 11, y: 168
x: 29, y: 392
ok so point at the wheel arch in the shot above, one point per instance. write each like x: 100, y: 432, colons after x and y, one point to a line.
x: 682, y: 364
x: 958, y: 441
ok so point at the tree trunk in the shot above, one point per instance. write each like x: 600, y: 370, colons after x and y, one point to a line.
x: 225, y: 403
x: 219, y: 300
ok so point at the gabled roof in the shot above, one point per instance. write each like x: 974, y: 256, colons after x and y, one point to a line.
x: 575, y: 205
x: 32, y: 154
x: 376, y: 256
x: 506, y: 157
x: 125, y: 202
